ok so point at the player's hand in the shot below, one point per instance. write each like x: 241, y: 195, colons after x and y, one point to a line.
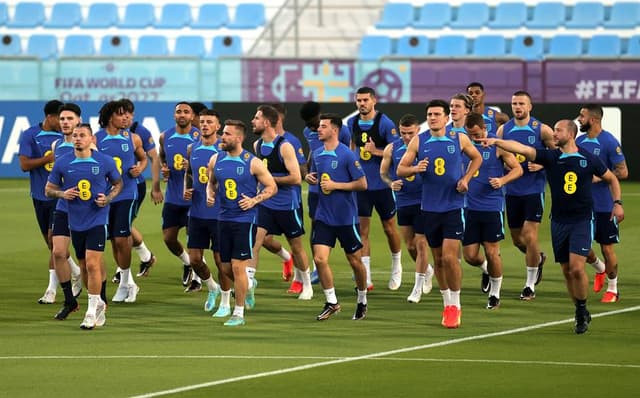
x: 311, y: 178
x: 187, y: 194
x: 211, y: 199
x: 135, y: 171
x: 617, y: 213
x: 102, y: 200
x: 246, y: 202
x: 327, y: 186
x: 533, y: 167
x: 70, y: 194
x: 156, y: 196
x: 165, y: 172
x: 495, y: 182
x: 422, y: 165
x: 396, y: 185
x: 462, y: 186
x: 486, y: 142
x: 370, y: 146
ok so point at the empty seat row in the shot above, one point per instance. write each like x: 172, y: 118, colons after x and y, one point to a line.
x: 46, y: 46
x: 136, y: 16
x: 527, y: 47
x: 511, y: 15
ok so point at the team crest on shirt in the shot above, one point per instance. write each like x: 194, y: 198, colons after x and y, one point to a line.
x: 95, y: 170
x: 618, y: 150
x: 125, y: 147
x: 535, y: 124
x: 596, y: 151
x: 531, y: 139
x: 334, y: 164
x: 240, y: 170
x: 451, y: 149
x: 486, y: 155
x: 583, y: 163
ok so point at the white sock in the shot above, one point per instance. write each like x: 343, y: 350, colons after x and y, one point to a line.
x: 420, y: 277
x: 446, y: 297
x: 212, y: 286
x: 362, y: 296
x: 598, y: 265
x: 314, y: 265
x: 455, y: 298
x: 483, y: 267
x: 612, y: 285
x: 184, y: 257
x: 297, y: 275
x: 305, y: 278
x: 532, y: 275
x: 238, y: 310
x: 75, y: 270
x: 284, y: 254
x: 143, y: 252
x: 396, y: 263
x: 430, y: 271
x: 330, y: 295
x: 225, y: 298
x: 92, y: 306
x: 366, y: 260
x: 496, y: 285
x: 125, y: 276
x: 118, y: 270
x: 53, y: 280
x: 251, y: 273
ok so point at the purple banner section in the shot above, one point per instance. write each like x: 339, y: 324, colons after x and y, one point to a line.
x: 592, y: 81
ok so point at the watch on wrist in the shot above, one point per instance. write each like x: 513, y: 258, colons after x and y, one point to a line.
x: 617, y: 202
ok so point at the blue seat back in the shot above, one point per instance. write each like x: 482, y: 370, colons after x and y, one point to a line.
x: 489, y: 46
x: 174, y: 16
x: 451, y: 45
x: 248, y: 16
x: 152, y: 45
x: 396, y: 16
x: 509, y: 16
x: 78, y: 46
x: 64, y: 16
x: 374, y: 47
x: 624, y: 15
x: 27, y: 15
x: 471, y: 16
x: 10, y: 45
x: 604, y: 46
x: 433, y: 16
x: 101, y: 15
x: 44, y: 47
x: 189, y: 46
x: 528, y: 47
x: 413, y: 46
x: 138, y: 16
x: 212, y: 16
x: 633, y: 46
x: 115, y: 46
x: 4, y: 13
x: 565, y: 46
x: 224, y: 46
x: 587, y: 15
x: 549, y: 15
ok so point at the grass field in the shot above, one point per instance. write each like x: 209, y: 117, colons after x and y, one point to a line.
x: 165, y: 344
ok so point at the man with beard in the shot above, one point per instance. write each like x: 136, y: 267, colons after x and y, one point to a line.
x: 525, y: 196
x: 570, y: 170
x: 605, y: 146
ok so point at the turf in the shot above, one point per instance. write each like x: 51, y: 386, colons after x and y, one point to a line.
x: 166, y: 341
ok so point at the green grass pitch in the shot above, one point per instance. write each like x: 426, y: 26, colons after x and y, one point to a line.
x: 165, y: 344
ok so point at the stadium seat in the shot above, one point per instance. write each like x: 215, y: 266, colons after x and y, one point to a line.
x: 586, y: 15
x: 624, y: 15
x: 211, y: 16
x: 565, y: 46
x: 528, y: 47
x: 509, y: 16
x: 248, y: 16
x: 4, y: 13
x: 10, y: 45
x: 174, y: 16
x: 490, y: 46
x: 396, y: 16
x: 471, y: 16
x: 433, y: 16
x: 604, y: 46
x: 78, y: 46
x: 27, y: 15
x: 101, y: 15
x: 373, y: 47
x: 189, y: 46
x: 152, y: 46
x: 115, y: 46
x: 548, y: 16
x: 412, y: 46
x: 226, y: 46
x: 138, y: 16
x: 64, y: 16
x: 44, y: 47
x: 451, y: 46
x: 633, y: 47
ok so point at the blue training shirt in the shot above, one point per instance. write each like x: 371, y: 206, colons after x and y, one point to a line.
x: 36, y: 143
x: 233, y: 174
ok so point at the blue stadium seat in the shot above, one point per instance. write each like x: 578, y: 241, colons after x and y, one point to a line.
x: 10, y: 45
x: 412, y: 46
x: 174, y: 16
x: 565, y: 46
x: 633, y: 47
x: 490, y: 46
x: 152, y: 46
x: 138, y: 16
x: 471, y: 16
x: 433, y: 16
x: 604, y: 46
x: 43, y: 46
x: 451, y: 46
x: 624, y: 15
x: 586, y: 15
x: 212, y: 16
x: 27, y: 15
x: 548, y: 16
x: 396, y: 16
x: 78, y: 46
x: 189, y: 46
x: 226, y: 46
x: 373, y: 47
x: 509, y: 16
x: 4, y: 13
x: 64, y: 16
x: 528, y: 47
x: 248, y: 16
x: 115, y: 46
x: 101, y: 15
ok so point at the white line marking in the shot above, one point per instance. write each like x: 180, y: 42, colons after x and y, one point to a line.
x: 374, y: 355
x: 512, y: 362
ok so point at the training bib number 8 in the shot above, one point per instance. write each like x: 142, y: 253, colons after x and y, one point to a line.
x: 570, y: 180
x: 118, y: 163
x: 177, y: 161
x: 84, y: 189
x: 202, y: 175
x: 230, y: 189
x: 438, y: 167
x: 48, y: 166
x: 364, y: 155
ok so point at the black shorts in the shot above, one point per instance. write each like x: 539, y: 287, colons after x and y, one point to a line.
x: 382, y: 199
x: 524, y: 208
x: 174, y: 215
x: 411, y: 216
x: 278, y: 222
x: 440, y: 226
x: 607, y: 230
x: 91, y: 239
x: 238, y: 240
x: 482, y: 226
x: 203, y: 234
x: 120, y: 217
x: 44, y: 214
x: 348, y: 235
x: 61, y: 223
x: 571, y: 238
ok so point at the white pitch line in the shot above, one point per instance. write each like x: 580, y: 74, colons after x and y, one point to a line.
x: 373, y: 355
